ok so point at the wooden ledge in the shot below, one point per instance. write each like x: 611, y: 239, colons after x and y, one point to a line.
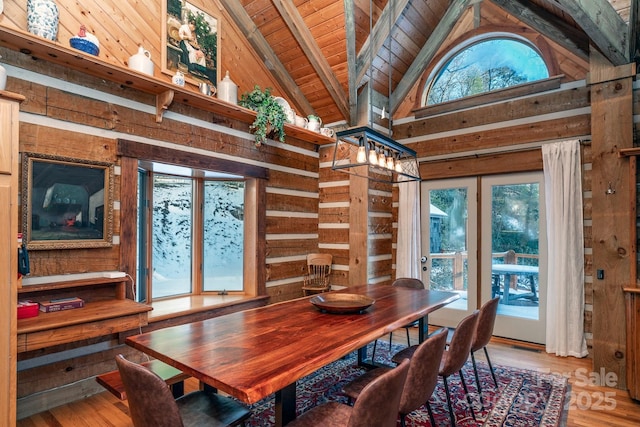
x: 183, y: 306
x: 162, y: 88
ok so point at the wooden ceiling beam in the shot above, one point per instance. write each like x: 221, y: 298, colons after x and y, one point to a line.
x: 350, y: 33
x: 241, y: 18
x: 289, y: 13
x: 548, y: 25
x: 428, y: 51
x: 606, y: 29
x: 376, y: 39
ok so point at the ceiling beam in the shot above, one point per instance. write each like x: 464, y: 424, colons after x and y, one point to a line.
x: 378, y: 35
x: 350, y: 33
x: 428, y: 51
x: 305, y: 39
x: 606, y: 29
x: 548, y: 25
x: 241, y: 18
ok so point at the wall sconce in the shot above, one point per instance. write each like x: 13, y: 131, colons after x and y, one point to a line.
x: 610, y: 189
x: 365, y: 152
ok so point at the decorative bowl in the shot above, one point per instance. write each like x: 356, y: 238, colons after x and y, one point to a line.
x: 340, y: 303
x: 84, y: 45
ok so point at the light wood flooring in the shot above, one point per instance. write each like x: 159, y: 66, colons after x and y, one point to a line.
x: 591, y: 405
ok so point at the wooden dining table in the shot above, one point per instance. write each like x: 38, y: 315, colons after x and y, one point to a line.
x: 254, y: 353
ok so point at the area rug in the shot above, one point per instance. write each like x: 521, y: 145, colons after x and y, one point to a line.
x: 524, y: 398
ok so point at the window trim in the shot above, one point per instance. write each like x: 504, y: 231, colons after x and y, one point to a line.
x: 466, y: 44
x: 131, y: 152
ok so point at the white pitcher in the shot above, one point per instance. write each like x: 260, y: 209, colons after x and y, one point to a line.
x: 314, y: 123
x: 141, y: 61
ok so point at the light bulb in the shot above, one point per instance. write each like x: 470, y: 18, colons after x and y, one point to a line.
x: 361, y: 157
x: 373, y: 157
x: 399, y: 166
x: 383, y: 115
x: 390, y: 163
x: 382, y: 160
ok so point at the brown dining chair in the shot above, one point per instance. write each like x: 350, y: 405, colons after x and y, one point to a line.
x: 151, y: 403
x: 453, y: 358
x: 318, y: 271
x: 377, y: 405
x: 421, y: 380
x: 482, y: 336
x: 402, y: 282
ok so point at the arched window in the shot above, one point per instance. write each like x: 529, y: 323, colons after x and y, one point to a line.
x: 481, y: 66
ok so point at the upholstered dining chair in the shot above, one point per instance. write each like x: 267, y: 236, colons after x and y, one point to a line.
x: 482, y: 336
x: 318, y: 272
x: 402, y: 282
x: 421, y: 380
x: 151, y: 403
x: 377, y: 405
x: 453, y: 358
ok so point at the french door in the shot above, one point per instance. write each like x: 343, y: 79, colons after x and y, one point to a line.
x: 484, y: 238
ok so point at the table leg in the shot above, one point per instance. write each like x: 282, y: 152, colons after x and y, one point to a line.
x: 423, y: 328
x: 285, y: 405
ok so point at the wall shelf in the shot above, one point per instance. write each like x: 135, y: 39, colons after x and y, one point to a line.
x: 106, y: 311
x: 165, y: 91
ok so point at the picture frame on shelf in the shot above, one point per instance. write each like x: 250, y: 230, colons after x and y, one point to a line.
x: 66, y: 203
x: 190, y: 41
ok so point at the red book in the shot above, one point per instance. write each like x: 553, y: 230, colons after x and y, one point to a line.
x: 61, y: 304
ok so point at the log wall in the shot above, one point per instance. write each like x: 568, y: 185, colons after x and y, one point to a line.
x: 67, y: 113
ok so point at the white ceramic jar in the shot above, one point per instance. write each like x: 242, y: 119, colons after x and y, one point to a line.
x: 228, y: 90
x: 42, y: 18
x: 141, y: 61
x: 178, y: 78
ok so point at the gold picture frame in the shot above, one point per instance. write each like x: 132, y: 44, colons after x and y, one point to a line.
x: 199, y: 58
x: 66, y: 203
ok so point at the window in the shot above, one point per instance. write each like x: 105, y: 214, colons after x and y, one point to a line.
x: 495, y: 62
x: 190, y: 231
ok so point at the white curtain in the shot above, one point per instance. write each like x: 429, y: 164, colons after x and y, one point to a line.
x: 565, y: 276
x: 408, y: 246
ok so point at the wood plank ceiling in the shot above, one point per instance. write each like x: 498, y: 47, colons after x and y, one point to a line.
x: 323, y: 52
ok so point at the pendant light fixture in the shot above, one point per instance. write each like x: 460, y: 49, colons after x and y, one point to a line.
x: 366, y: 152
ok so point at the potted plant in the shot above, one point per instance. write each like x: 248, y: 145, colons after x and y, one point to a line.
x: 271, y: 117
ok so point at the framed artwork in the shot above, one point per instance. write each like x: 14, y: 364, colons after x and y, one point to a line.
x: 66, y: 203
x: 190, y: 42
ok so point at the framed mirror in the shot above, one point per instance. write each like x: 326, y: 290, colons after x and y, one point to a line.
x: 66, y: 203
x: 191, y: 42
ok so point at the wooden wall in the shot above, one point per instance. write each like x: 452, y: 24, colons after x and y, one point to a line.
x: 505, y: 137
x: 70, y: 114
x: 121, y: 27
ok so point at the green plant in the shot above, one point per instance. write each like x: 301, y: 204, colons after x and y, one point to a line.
x: 270, y: 118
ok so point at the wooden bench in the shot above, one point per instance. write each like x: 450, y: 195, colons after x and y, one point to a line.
x: 172, y: 376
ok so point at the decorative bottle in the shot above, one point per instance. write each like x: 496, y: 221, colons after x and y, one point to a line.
x: 42, y: 18
x: 228, y: 90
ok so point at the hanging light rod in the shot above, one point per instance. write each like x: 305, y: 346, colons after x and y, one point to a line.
x: 365, y: 152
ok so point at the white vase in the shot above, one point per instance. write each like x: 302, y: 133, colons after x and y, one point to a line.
x: 42, y: 18
x: 228, y: 90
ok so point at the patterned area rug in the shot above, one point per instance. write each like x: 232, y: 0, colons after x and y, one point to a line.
x: 524, y: 398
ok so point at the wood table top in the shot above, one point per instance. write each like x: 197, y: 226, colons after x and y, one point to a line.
x: 254, y: 353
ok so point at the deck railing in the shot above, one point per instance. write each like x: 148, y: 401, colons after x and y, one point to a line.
x: 458, y: 263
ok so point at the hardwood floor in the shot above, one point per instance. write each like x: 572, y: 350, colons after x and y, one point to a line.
x: 590, y: 404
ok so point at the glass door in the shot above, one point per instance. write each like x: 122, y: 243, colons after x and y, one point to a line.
x: 513, y: 253
x: 449, y: 245
x: 484, y: 238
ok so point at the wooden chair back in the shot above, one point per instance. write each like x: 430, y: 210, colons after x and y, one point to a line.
x: 318, y: 272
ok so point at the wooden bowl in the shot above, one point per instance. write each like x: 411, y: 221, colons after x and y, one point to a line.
x: 340, y: 303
